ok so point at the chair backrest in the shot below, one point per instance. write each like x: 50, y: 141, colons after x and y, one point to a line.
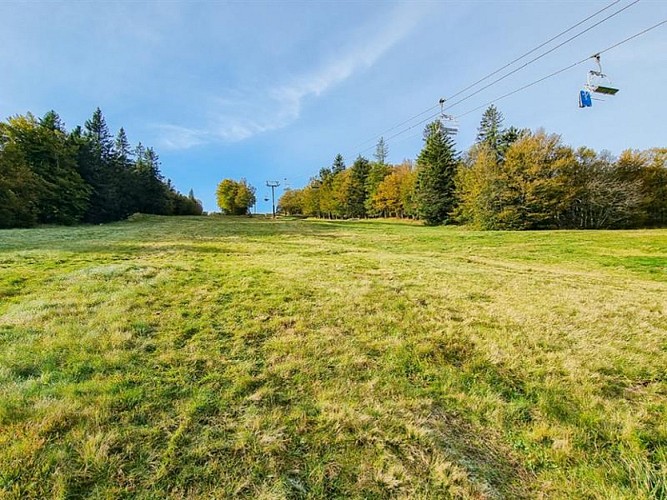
x: 585, y: 100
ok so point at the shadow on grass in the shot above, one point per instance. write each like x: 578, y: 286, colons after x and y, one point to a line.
x: 128, y: 237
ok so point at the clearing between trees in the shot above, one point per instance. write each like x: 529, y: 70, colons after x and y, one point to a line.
x: 210, y: 357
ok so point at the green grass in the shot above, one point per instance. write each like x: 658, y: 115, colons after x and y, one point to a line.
x: 210, y: 357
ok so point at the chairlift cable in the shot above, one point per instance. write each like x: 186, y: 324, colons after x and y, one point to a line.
x: 396, y: 126
x: 535, y: 49
x: 551, y: 75
x: 499, y: 70
x: 565, y: 68
x: 515, y: 70
x: 630, y: 38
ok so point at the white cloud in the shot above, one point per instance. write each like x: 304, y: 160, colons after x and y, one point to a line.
x: 239, y: 114
x: 176, y: 137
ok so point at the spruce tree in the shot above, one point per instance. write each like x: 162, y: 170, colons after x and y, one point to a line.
x: 508, y: 137
x: 97, y: 131
x: 338, y: 164
x: 381, y: 152
x: 490, y: 129
x: 121, y: 148
x: 96, y: 165
x: 154, y: 194
x: 436, y: 168
x: 122, y: 166
x: 358, y: 188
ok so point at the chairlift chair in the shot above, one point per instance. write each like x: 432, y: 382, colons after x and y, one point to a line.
x: 449, y: 122
x: 599, y: 82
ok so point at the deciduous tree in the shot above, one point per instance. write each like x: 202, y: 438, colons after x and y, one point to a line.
x: 235, y: 197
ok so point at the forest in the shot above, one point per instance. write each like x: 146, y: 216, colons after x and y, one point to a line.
x: 49, y: 175
x: 509, y: 178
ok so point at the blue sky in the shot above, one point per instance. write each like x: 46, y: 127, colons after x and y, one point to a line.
x: 273, y: 90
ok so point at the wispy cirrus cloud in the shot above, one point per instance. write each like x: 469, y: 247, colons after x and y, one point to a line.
x: 240, y: 114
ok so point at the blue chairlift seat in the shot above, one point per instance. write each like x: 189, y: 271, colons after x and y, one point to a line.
x: 585, y: 100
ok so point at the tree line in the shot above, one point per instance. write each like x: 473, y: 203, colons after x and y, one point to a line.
x: 49, y: 175
x: 509, y: 178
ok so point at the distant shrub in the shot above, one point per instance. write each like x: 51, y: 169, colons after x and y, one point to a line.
x: 138, y: 217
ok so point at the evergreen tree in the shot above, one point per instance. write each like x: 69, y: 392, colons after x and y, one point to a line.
x: 436, y: 167
x: 50, y: 176
x: 97, y: 131
x: 381, y: 152
x: 338, y: 164
x: 358, y: 192
x: 121, y: 148
x: 183, y: 205
x: 325, y: 174
x: 96, y: 165
x: 20, y: 187
x: 122, y: 166
x: 63, y: 194
x: 492, y: 134
x: 51, y: 121
x: 153, y: 194
x: 490, y: 130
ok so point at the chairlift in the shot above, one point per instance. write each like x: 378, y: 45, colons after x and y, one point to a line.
x: 585, y: 99
x: 449, y: 122
x: 598, y: 82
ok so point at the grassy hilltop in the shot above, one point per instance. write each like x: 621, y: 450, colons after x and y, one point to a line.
x: 210, y: 357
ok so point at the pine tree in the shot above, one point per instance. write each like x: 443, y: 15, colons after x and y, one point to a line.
x: 436, y: 168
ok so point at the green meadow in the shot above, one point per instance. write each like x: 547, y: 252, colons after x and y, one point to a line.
x: 210, y: 357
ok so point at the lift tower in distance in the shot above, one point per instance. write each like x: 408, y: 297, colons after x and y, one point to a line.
x: 273, y: 185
